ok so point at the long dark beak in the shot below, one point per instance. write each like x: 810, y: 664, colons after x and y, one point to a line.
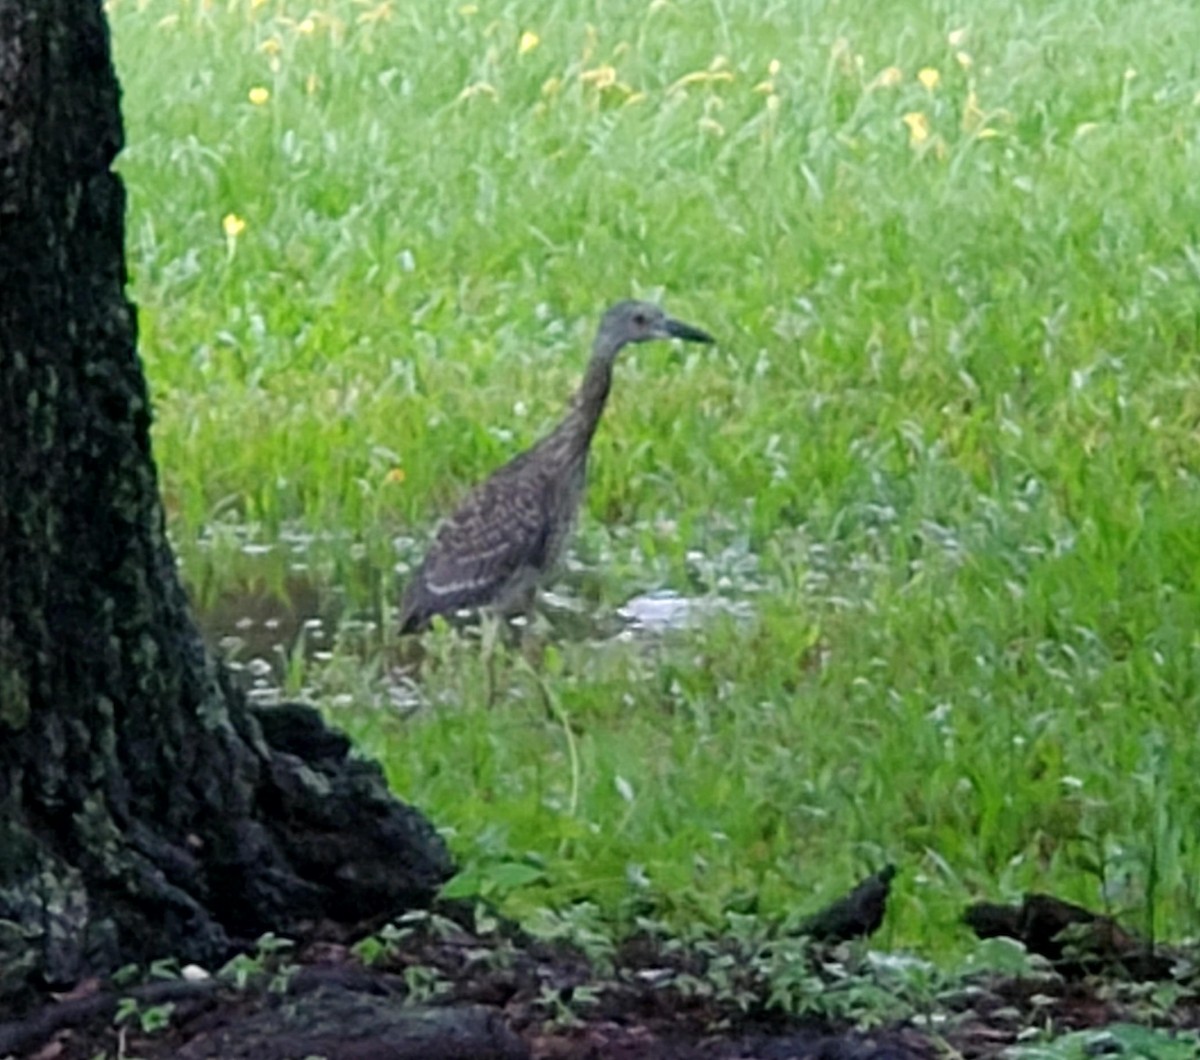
x: 679, y: 330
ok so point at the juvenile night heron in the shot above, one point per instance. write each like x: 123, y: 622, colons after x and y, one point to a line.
x: 511, y: 529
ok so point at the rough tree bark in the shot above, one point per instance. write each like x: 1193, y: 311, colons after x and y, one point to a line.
x: 144, y: 810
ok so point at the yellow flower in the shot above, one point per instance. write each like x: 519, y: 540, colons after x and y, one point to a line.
x: 232, y: 225
x: 964, y: 60
x: 529, y: 41
x: 259, y: 95
x: 974, y: 119
x: 849, y: 62
x: 306, y: 26
x: 929, y: 77
x: 773, y: 68
x: 602, y: 77
x: 396, y: 475
x: 706, y: 77
x: 379, y: 13
x: 973, y: 116
x: 918, y: 127
x: 888, y: 77
x: 765, y: 87
x: 957, y: 37
x: 479, y: 88
x: 271, y: 46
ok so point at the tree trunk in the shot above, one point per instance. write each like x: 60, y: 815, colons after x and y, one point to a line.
x: 144, y: 810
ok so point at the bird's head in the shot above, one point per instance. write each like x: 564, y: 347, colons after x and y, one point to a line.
x: 643, y: 322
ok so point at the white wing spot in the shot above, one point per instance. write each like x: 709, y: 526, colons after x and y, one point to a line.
x: 450, y: 588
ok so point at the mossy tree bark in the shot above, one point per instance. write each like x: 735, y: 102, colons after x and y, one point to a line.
x: 144, y: 810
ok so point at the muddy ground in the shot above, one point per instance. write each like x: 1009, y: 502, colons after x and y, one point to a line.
x: 437, y: 990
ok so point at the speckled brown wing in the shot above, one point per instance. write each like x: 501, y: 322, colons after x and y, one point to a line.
x: 497, y: 538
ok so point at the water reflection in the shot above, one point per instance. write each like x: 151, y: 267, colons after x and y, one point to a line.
x: 256, y: 625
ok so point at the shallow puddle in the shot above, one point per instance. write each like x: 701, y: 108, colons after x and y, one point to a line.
x: 664, y: 611
x: 267, y: 634
x: 272, y: 617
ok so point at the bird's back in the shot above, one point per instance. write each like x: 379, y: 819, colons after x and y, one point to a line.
x: 507, y: 533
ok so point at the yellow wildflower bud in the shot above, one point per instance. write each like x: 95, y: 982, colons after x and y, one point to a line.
x: 888, y: 77
x: 918, y: 127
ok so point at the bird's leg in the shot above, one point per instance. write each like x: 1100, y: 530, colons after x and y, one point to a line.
x: 529, y: 601
x: 489, y: 630
x: 532, y: 644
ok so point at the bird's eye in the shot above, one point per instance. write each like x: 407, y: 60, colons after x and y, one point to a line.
x: 640, y: 319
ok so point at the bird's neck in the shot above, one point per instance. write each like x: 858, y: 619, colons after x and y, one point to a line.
x: 574, y: 434
x: 589, y: 400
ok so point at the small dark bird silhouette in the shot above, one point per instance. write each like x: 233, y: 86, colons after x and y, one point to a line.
x: 511, y: 529
x: 854, y: 915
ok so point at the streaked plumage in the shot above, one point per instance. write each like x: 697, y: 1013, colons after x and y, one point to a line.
x: 511, y: 529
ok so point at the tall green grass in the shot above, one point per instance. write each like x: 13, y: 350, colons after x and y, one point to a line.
x: 948, y: 442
